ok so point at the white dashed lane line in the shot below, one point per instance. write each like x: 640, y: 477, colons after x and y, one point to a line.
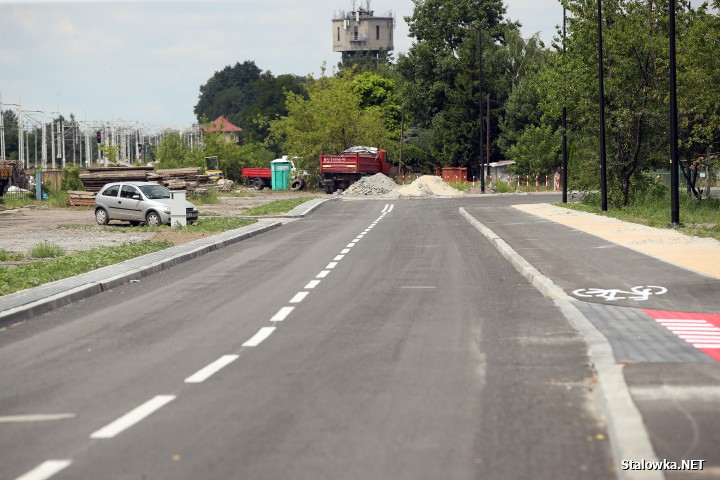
x: 205, y: 373
x: 331, y: 265
x: 312, y: 284
x: 323, y: 274
x: 45, y: 470
x: 299, y: 297
x: 282, y: 314
x: 259, y: 337
x: 132, y: 417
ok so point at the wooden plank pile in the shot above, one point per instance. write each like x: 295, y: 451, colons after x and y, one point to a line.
x: 96, y: 177
x: 174, y: 178
x: 77, y: 198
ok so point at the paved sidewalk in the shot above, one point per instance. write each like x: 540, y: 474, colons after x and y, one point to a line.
x: 700, y: 255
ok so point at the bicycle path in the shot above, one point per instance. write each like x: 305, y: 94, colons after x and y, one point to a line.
x: 661, y: 319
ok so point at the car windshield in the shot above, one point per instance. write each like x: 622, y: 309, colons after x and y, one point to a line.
x: 155, y: 191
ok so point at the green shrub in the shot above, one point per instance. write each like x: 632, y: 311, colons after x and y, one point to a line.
x: 46, y: 250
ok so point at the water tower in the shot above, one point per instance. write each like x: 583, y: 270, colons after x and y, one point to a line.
x: 360, y: 31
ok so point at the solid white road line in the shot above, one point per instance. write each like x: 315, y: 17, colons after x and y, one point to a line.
x: 282, y: 314
x: 258, y: 338
x: 386, y: 207
x: 205, y: 373
x: 338, y: 258
x: 36, y: 417
x: 133, y: 417
x: 312, y: 284
x: 682, y: 322
x: 391, y: 208
x: 322, y: 274
x: 45, y: 470
x: 299, y: 297
x: 693, y: 329
x: 331, y: 265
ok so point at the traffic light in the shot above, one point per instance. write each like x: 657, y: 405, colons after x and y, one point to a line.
x: 99, y: 136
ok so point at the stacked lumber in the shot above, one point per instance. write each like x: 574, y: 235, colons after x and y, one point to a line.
x: 77, y: 198
x: 178, y: 178
x: 96, y: 177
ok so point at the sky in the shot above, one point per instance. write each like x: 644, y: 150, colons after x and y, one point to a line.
x: 143, y: 62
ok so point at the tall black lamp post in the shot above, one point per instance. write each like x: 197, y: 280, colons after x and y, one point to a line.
x: 564, y: 133
x: 480, y: 120
x: 674, y: 160
x: 603, y: 164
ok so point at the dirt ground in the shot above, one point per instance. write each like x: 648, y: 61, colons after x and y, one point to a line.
x: 23, y: 228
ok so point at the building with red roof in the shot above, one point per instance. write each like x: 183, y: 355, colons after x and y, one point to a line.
x: 222, y: 125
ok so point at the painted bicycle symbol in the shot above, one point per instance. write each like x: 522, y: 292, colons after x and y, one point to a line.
x: 640, y: 293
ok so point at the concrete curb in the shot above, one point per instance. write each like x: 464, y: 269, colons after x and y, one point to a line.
x: 629, y: 439
x: 19, y: 306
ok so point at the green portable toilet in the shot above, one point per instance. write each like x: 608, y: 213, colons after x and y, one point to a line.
x: 280, y: 173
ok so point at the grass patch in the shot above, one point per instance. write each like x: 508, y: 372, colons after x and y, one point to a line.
x: 462, y: 186
x: 700, y: 217
x: 34, y: 274
x: 217, y: 224
x: 278, y: 206
x: 6, y: 256
x: 237, y: 193
x: 210, y: 197
x: 46, y: 250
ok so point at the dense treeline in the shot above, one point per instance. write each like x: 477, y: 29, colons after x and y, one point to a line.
x: 431, y: 96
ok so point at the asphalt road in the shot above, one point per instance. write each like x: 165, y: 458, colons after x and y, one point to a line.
x: 373, y: 339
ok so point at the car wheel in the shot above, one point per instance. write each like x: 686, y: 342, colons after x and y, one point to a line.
x: 153, y: 219
x: 101, y: 216
x: 259, y: 185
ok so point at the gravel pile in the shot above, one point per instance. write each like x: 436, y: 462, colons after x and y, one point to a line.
x: 377, y: 184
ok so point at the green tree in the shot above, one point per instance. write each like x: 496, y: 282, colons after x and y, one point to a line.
x: 443, y: 68
x: 248, y: 97
x: 537, y: 151
x: 330, y: 119
x: 636, y: 117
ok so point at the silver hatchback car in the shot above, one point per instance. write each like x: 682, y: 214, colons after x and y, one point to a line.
x: 137, y: 202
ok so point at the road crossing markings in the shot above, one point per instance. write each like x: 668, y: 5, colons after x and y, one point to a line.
x: 133, y: 417
x: 299, y: 297
x: 259, y: 337
x: 45, y: 470
x: 282, y: 314
x: 205, y: 373
x: 701, y: 330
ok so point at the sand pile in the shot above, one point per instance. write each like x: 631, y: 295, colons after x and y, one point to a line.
x: 426, y: 186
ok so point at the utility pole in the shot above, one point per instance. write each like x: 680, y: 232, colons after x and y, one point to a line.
x: 2, y: 132
x: 487, y: 135
x: 44, y: 145
x: 21, y: 142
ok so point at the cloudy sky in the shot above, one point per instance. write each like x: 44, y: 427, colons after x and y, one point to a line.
x: 144, y: 61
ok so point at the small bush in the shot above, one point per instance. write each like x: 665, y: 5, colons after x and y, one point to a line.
x: 9, y: 256
x: 46, y: 250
